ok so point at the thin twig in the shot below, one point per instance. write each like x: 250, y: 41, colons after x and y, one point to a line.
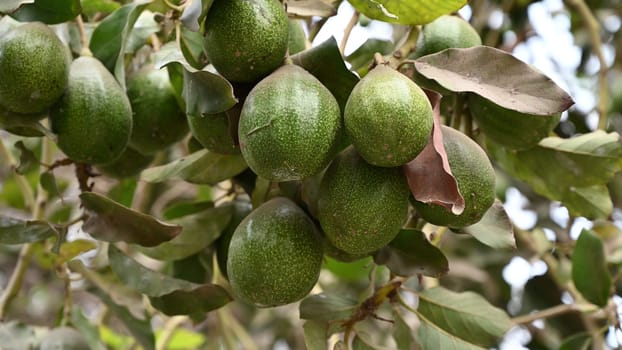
x: 346, y: 32
x: 85, y: 51
x: 593, y: 28
x: 546, y: 313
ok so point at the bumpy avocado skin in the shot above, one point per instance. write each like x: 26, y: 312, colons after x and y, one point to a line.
x: 297, y: 38
x: 63, y: 338
x: 476, y: 181
x: 213, y: 132
x: 388, y: 118
x: 290, y: 126
x: 446, y: 32
x: 158, y: 122
x: 34, y: 68
x: 275, y: 255
x: 245, y: 40
x: 130, y: 163
x: 361, y: 207
x: 497, y: 123
x: 93, y: 119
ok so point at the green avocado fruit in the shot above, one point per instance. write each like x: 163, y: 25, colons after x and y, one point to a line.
x: 297, y: 41
x: 361, y: 207
x: 245, y: 40
x: 476, y: 181
x: 63, y: 338
x: 443, y: 33
x: 290, y: 126
x: 388, y: 118
x: 158, y: 122
x: 130, y: 163
x: 241, y: 209
x: 510, y: 128
x: 275, y: 255
x: 93, y: 119
x: 214, y: 133
x: 34, y: 68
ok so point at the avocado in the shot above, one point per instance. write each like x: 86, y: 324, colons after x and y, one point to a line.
x: 443, y: 33
x: 93, y: 119
x: 290, y: 126
x: 361, y: 207
x: 245, y: 40
x: 275, y: 255
x: 476, y: 181
x: 297, y: 41
x: 130, y: 163
x: 213, y: 132
x: 158, y: 122
x: 34, y: 68
x: 510, y: 128
x: 63, y: 338
x: 388, y: 118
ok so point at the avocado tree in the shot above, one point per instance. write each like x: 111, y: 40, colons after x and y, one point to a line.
x: 208, y: 174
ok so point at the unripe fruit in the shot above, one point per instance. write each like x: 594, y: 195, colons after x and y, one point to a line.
x: 361, y: 207
x: 290, y: 126
x: 245, y: 40
x: 214, y: 132
x: 34, y: 68
x: 275, y: 255
x: 476, y: 181
x: 297, y: 38
x: 446, y: 32
x: 158, y: 122
x: 93, y: 119
x: 388, y: 118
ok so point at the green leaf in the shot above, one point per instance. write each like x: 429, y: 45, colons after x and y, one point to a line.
x: 110, y: 221
x: 411, y: 253
x: 88, y: 330
x: 494, y: 229
x: 193, y: 15
x: 140, y: 329
x: 48, y: 183
x: 496, y: 75
x: 309, y: 8
x: 362, y: 57
x: 579, y: 341
x: 406, y: 11
x: 589, y: 268
x: 22, y: 125
x: 49, y: 11
x: 201, y: 167
x: 178, y: 210
x: 143, y: 28
x: 12, y: 5
x: 577, y: 169
x: 70, y: 250
x: 198, y: 231
x: 402, y: 333
x: 16, y: 231
x: 27, y: 158
x: 449, y: 318
x: 327, y: 307
x: 195, y: 303
x: 326, y: 64
x: 110, y: 37
x: 192, y: 48
x: 315, y: 333
x: 364, y: 341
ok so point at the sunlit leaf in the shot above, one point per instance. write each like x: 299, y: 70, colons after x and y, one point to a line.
x: 194, y: 14
x: 411, y: 253
x: 402, y: 333
x: 16, y: 231
x: 449, y: 319
x: 589, y: 268
x: 327, y: 307
x: 406, y: 11
x: 315, y: 333
x: 308, y: 8
x: 494, y: 229
x: 48, y: 11
x: 110, y: 37
x: 198, y: 231
x: 110, y: 221
x: 326, y: 64
x: 201, y: 167
x: 70, y: 250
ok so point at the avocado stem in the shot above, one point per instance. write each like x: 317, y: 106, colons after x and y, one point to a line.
x: 347, y: 31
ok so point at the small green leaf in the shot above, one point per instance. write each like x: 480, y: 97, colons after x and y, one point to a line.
x: 198, y: 231
x: 16, y: 231
x: 192, y: 48
x: 201, y: 167
x: 27, y: 158
x: 178, y: 210
x: 49, y: 11
x: 109, y: 39
x: 206, y: 93
x: 140, y: 329
x: 407, y: 11
x: 579, y: 341
x: 110, y: 221
x: 195, y: 303
x: 326, y: 64
x: 495, y: 229
x: 411, y: 253
x: 48, y: 183
x: 193, y: 15
x: 496, y: 75
x: 327, y: 307
x: 589, y: 268
x: 70, y: 250
x: 449, y: 318
x: 315, y: 333
x: 143, y: 28
x: 362, y: 57
x: 12, y: 5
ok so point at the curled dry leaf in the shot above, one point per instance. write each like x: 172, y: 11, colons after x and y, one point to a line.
x: 429, y: 176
